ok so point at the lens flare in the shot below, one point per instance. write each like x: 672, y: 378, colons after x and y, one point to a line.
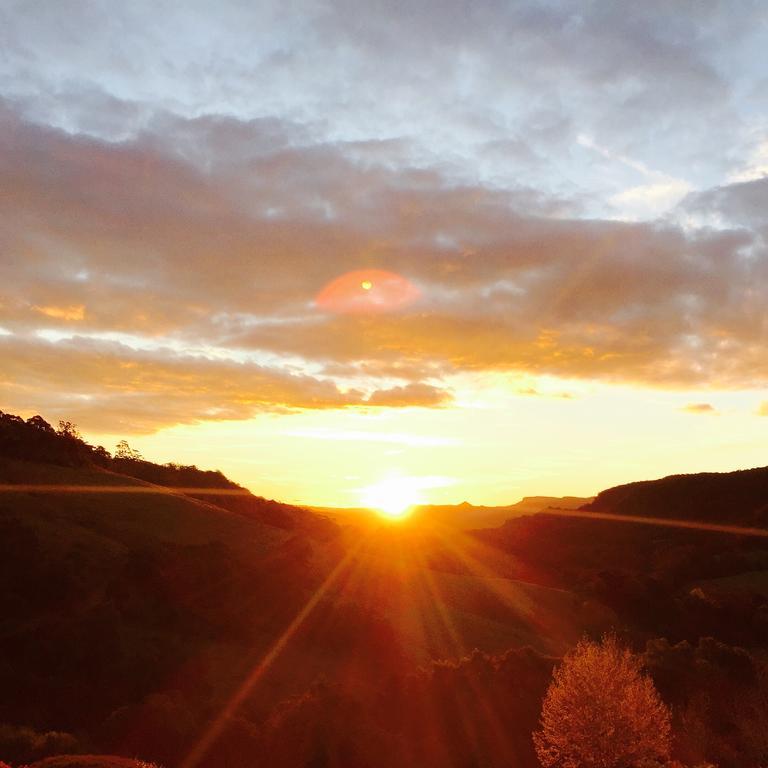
x: 367, y: 291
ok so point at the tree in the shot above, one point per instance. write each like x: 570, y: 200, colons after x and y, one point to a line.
x: 38, y: 422
x: 68, y: 429
x: 124, y: 451
x: 601, y: 711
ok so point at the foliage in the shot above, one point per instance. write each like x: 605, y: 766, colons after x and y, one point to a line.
x: 601, y: 711
x: 21, y: 743
x: 124, y: 451
x: 69, y: 430
x: 36, y: 440
x: 719, y: 696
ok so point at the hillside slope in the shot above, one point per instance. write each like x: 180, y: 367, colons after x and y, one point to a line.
x: 115, y: 590
x: 113, y: 586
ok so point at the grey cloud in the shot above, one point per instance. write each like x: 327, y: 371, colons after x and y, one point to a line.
x: 742, y: 204
x: 452, y: 76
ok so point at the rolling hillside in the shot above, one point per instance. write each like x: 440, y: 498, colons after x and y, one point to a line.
x: 147, y: 594
x: 136, y: 599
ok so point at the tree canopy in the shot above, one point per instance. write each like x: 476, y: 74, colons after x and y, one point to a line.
x: 602, y: 711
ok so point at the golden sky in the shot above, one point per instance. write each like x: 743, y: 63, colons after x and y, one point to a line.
x: 497, y: 253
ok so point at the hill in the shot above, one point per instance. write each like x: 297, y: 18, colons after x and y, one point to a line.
x: 135, y: 598
x: 723, y: 497
x: 138, y: 601
x: 37, y: 442
x: 113, y: 588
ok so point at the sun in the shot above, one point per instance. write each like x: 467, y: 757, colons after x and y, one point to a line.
x: 392, y: 497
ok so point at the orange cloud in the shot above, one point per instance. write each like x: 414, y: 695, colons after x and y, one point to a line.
x: 107, y: 386
x: 73, y: 312
x: 409, y: 395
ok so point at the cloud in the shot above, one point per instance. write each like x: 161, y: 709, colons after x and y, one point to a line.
x: 700, y: 408
x: 410, y: 394
x: 533, y: 392
x: 218, y: 233
x: 107, y: 386
x: 74, y: 312
x: 652, y: 198
x: 762, y: 409
x: 452, y: 77
x: 756, y: 165
x: 742, y: 204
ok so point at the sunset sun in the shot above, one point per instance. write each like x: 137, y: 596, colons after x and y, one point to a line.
x: 392, y: 497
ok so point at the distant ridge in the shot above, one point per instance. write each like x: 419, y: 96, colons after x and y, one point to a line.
x: 465, y: 516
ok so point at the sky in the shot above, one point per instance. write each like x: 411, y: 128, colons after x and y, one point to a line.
x: 487, y: 249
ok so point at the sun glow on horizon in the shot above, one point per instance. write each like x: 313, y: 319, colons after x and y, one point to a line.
x: 392, y: 497
x: 395, y: 495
